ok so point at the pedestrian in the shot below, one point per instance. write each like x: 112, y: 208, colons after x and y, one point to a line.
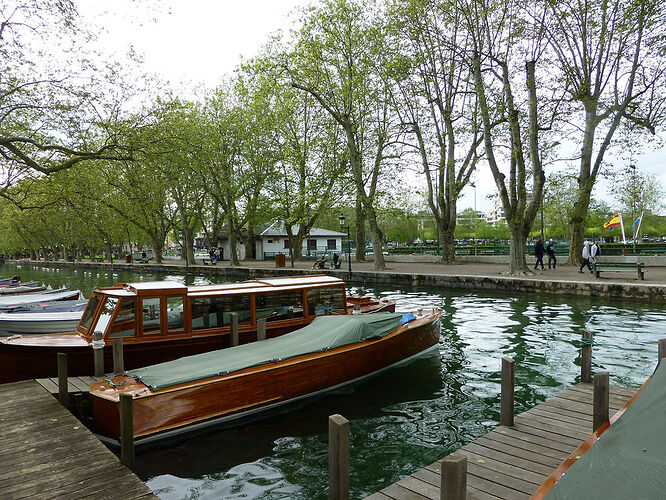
x: 586, y: 257
x: 550, y: 250
x: 595, y: 252
x: 336, y: 257
x: 538, y: 253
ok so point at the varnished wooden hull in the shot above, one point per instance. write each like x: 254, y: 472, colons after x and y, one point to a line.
x: 22, y: 362
x: 161, y: 413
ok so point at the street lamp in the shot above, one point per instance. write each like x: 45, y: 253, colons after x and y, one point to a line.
x: 342, y: 226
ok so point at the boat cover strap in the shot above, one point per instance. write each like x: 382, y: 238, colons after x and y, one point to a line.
x: 324, y: 333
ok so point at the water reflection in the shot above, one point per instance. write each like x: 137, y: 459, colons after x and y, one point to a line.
x: 412, y: 415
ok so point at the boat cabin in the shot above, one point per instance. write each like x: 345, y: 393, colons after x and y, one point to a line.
x: 164, y: 309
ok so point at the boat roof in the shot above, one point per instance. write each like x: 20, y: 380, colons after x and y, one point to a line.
x: 250, y: 286
x: 323, y: 334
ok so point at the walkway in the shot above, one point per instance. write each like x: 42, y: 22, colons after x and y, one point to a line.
x: 46, y: 452
x: 512, y: 462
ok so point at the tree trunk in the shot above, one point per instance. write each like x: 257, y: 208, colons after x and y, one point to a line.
x: 109, y: 253
x: 578, y: 216
x: 517, y: 251
x: 158, y: 250
x: 233, y: 248
x: 360, y: 233
x: 92, y: 254
x: 448, y: 245
x: 377, y: 240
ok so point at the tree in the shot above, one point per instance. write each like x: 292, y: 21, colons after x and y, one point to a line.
x: 436, y: 100
x: 337, y: 60
x: 499, y: 42
x: 612, y: 66
x: 52, y: 115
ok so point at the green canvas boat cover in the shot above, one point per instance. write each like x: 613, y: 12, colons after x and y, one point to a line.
x: 629, y: 459
x: 324, y: 333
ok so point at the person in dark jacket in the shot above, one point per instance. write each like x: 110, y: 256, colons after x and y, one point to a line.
x: 550, y: 250
x: 538, y: 253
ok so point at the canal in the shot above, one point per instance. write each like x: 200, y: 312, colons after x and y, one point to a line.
x: 407, y: 417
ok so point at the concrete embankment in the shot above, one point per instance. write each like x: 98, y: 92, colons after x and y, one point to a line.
x: 477, y: 276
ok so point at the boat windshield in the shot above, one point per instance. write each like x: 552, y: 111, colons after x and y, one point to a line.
x: 107, y: 311
x: 124, y: 325
x: 89, y: 313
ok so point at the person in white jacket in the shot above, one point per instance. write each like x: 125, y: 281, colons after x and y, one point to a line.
x: 586, y: 257
x: 595, y: 252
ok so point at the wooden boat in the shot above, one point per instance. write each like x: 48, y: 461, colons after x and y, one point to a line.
x: 194, y: 391
x: 160, y: 321
x: 26, y: 288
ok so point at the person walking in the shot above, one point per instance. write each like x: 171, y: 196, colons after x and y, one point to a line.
x: 538, y: 253
x: 550, y: 250
x: 586, y: 257
x: 595, y: 251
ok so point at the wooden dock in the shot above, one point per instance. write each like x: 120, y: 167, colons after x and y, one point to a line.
x: 512, y: 462
x: 46, y: 452
x: 74, y: 384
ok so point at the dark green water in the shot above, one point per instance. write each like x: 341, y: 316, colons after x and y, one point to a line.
x: 412, y: 415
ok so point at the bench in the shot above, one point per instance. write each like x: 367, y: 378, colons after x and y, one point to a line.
x: 208, y: 262
x: 618, y: 267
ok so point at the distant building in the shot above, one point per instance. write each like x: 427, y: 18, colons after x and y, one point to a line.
x: 496, y: 214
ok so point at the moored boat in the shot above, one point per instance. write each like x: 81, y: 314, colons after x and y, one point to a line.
x: 161, y: 321
x: 39, y: 321
x: 228, y: 384
x: 8, y: 303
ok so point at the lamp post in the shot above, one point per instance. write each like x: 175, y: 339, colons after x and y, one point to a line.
x: 342, y: 226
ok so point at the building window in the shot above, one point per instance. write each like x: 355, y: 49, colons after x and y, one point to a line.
x: 270, y: 241
x: 286, y: 244
x: 331, y: 244
x: 312, y: 244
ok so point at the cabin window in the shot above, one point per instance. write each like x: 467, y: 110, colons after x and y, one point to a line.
x: 125, y: 323
x: 175, y: 314
x: 331, y: 244
x: 326, y: 300
x: 88, y: 314
x: 280, y: 305
x: 312, y: 244
x: 213, y: 312
x: 107, y: 311
x: 287, y: 244
x: 151, y: 316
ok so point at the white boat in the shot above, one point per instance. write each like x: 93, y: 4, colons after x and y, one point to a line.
x: 13, y: 301
x: 30, y: 322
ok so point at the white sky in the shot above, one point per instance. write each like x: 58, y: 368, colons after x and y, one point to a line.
x: 196, y: 42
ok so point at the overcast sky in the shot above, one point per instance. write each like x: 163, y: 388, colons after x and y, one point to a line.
x: 199, y: 41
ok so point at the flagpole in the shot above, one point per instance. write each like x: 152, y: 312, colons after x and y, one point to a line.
x: 624, y: 238
x: 638, y: 229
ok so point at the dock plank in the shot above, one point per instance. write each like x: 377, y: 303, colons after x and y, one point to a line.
x: 44, y: 448
x: 511, y: 462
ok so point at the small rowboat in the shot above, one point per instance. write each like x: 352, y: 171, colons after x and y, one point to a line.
x: 195, y: 391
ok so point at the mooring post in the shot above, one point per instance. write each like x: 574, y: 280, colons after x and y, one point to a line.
x: 63, y: 390
x: 662, y: 349
x: 261, y: 329
x: 118, y: 359
x: 507, y: 399
x: 234, y: 328
x: 586, y: 358
x: 98, y: 353
x: 126, y: 430
x: 453, y: 485
x: 338, y: 457
x: 601, y: 400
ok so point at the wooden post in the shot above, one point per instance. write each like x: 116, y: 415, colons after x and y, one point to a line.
x: 98, y: 353
x: 508, y: 381
x: 601, y: 411
x: 118, y: 359
x: 63, y: 390
x: 586, y: 358
x: 234, y: 328
x: 126, y: 430
x: 453, y: 484
x: 338, y: 457
x: 261, y: 329
x: 662, y: 349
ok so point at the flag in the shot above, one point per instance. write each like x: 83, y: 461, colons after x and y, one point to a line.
x: 637, y: 221
x: 613, y: 222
